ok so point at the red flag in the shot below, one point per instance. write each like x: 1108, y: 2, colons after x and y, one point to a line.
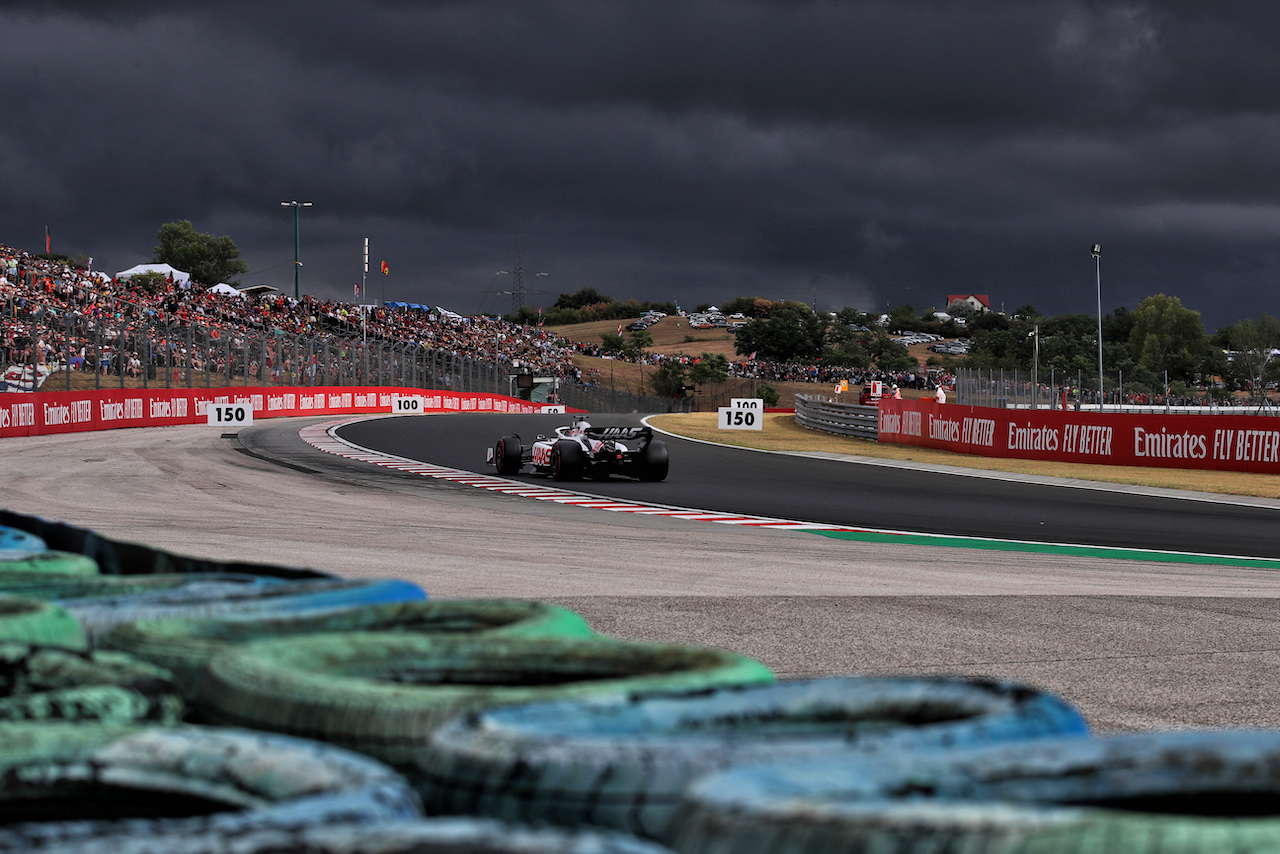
x: 619, y: 328
x: 46, y: 240
x: 357, y: 290
x: 386, y: 271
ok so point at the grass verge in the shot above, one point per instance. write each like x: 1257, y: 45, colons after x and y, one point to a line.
x: 782, y: 433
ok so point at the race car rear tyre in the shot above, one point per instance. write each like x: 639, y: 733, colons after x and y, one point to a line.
x: 34, y: 621
x: 1148, y: 793
x: 384, y: 693
x: 566, y: 460
x: 656, y: 461
x: 77, y: 784
x: 185, y: 646
x: 507, y: 455
x: 596, y: 760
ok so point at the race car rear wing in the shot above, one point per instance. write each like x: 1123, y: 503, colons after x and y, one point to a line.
x: 616, y: 433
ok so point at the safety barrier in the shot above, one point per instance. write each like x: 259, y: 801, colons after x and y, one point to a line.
x: 45, y: 412
x: 1247, y: 443
x: 847, y: 419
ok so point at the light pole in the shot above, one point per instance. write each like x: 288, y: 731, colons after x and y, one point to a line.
x: 1097, y: 265
x: 297, y: 244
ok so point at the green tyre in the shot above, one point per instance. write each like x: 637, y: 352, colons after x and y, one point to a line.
x: 49, y: 563
x: 384, y: 694
x: 1151, y: 793
x: 33, y: 621
x: 76, y: 786
x: 623, y: 762
x: 57, y: 684
x: 185, y: 646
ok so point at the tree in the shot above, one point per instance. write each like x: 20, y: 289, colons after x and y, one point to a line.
x: 1252, y: 344
x: 745, y: 306
x: 581, y: 299
x: 904, y: 318
x: 787, y: 334
x: 668, y: 380
x: 767, y: 393
x: 208, y: 259
x: 711, y: 368
x: 637, y: 342
x: 1165, y: 336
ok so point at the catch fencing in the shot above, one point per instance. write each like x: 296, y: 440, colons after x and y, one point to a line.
x: 50, y: 351
x: 1055, y: 390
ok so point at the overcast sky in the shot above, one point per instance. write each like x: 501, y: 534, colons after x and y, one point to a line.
x: 863, y: 153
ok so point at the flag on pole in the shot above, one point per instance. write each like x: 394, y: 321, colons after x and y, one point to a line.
x: 357, y: 290
x: 386, y: 271
x: 47, y: 244
x: 539, y: 315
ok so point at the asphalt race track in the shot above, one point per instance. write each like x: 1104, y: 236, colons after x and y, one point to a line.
x: 708, y: 477
x: 1135, y: 644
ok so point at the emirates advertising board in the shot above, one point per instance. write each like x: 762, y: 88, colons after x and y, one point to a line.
x: 43, y: 413
x: 1249, y: 443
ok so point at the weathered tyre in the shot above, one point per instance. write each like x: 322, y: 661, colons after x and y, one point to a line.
x: 428, y: 836
x: 384, y: 694
x: 49, y: 563
x: 98, y: 616
x: 38, y: 622
x: 16, y: 543
x: 58, y: 684
x: 63, y: 587
x: 185, y: 646
x: 1188, y: 792
x: 566, y: 460
x: 656, y: 461
x: 117, y: 557
x: 507, y: 455
x: 69, y: 784
x: 622, y: 762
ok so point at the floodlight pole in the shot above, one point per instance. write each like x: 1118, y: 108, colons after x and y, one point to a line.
x: 1097, y: 264
x: 297, y: 245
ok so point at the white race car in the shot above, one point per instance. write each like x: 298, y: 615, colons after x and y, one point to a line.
x: 580, y: 450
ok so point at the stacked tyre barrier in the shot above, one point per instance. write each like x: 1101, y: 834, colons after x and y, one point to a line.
x: 151, y: 703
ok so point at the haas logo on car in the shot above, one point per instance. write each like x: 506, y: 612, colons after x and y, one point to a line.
x: 542, y: 455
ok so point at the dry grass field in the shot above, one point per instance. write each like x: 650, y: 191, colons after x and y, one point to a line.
x: 782, y: 433
x: 672, y: 335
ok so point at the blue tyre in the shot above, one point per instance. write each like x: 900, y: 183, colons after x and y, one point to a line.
x: 1153, y: 793
x: 622, y: 762
x: 100, y: 615
x: 83, y: 784
x: 15, y: 543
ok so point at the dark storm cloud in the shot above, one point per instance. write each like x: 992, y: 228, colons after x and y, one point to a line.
x: 855, y: 153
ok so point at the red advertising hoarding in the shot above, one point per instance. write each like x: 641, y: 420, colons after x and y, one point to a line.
x: 46, y: 412
x: 1216, y: 442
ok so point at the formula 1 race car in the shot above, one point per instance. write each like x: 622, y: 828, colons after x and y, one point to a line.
x: 580, y: 450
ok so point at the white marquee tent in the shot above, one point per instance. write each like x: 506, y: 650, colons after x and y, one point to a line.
x: 163, y: 269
